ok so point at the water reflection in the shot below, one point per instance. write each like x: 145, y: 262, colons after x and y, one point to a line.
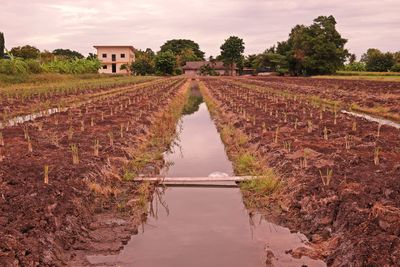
x: 194, y: 101
x: 206, y: 227
x: 198, y: 149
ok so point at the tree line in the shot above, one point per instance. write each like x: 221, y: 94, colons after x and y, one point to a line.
x: 317, y: 49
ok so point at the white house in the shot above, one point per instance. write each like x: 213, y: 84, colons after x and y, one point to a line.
x: 112, y: 57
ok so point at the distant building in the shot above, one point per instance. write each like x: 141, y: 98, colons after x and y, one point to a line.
x: 112, y: 57
x: 192, y: 68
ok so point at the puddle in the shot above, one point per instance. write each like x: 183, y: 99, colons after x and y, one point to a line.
x: 21, y: 119
x: 374, y: 119
x: 200, y: 226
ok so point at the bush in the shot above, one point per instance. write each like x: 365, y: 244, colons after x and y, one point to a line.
x: 355, y: 66
x: 33, y: 66
x: 75, y: 66
x: 396, y: 68
x: 13, y: 66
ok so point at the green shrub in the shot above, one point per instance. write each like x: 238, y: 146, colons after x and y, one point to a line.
x: 396, y: 68
x: 355, y: 66
x: 33, y: 66
x: 13, y: 66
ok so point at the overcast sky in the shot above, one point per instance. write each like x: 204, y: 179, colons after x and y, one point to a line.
x: 80, y: 24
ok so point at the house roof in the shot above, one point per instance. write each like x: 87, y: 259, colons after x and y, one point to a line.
x: 114, y: 46
x: 196, y: 65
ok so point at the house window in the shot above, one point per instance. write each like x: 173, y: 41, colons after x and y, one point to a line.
x: 104, y: 55
x: 104, y: 67
x: 122, y: 55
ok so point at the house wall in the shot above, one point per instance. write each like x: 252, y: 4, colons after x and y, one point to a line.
x: 119, y: 61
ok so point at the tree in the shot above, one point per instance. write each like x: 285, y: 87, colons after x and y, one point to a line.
x: 352, y: 58
x: 272, y: 61
x: 231, y: 51
x: 375, y: 60
x: 315, y: 49
x: 186, y: 55
x: 250, y: 61
x: 91, y: 56
x: 177, y: 46
x: 143, y: 65
x: 46, y: 56
x: 67, y: 53
x: 25, y: 52
x: 165, y: 62
x: 2, y: 45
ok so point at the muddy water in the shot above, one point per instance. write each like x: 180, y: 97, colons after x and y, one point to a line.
x: 198, y: 149
x: 198, y: 226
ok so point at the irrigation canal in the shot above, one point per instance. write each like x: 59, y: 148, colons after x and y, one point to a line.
x: 197, y: 226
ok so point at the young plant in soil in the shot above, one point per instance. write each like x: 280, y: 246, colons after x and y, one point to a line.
x: 1, y: 139
x: 377, y: 151
x: 326, y: 178
x: 96, y: 148
x: 46, y: 174
x: 75, y: 155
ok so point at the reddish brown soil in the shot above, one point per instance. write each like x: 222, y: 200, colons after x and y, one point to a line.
x: 353, y: 221
x: 10, y: 106
x: 50, y: 224
x: 367, y: 94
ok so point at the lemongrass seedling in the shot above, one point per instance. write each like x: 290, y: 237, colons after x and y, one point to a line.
x: 70, y: 132
x: 295, y: 124
x: 309, y: 126
x: 122, y: 130
x: 91, y: 121
x: 46, y: 174
x: 287, y: 145
x: 325, y: 133
x: 354, y: 126
x: 379, y: 130
x: 111, y: 138
x: 75, y: 155
x: 127, y: 127
x: 347, y: 141
x: 30, y: 148
x: 82, y: 125
x: 304, y: 161
x: 102, y: 116
x: 320, y: 115
x: 376, y: 155
x: 26, y: 134
x: 335, y: 118
x: 276, y: 135
x: 326, y: 179
x: 1, y: 139
x: 96, y: 148
x: 284, y: 117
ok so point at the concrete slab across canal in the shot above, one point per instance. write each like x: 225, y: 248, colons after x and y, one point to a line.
x: 197, y: 181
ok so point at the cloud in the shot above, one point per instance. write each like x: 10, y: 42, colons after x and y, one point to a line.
x: 79, y: 24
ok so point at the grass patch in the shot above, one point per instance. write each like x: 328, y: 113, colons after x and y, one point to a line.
x: 246, y: 161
